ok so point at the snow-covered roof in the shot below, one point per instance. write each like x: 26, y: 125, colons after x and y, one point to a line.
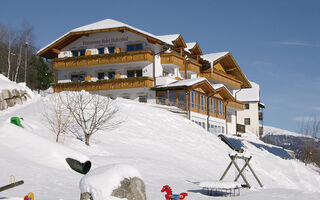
x: 249, y: 94
x: 186, y: 83
x: 217, y: 86
x: 190, y: 45
x: 220, y: 85
x: 168, y: 38
x: 212, y: 57
x: 111, y: 23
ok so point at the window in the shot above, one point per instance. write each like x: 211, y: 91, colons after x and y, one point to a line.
x: 101, y: 75
x: 222, y: 129
x: 143, y: 99
x: 214, y: 105
x: 162, y: 98
x: 77, y: 77
x: 75, y: 53
x: 101, y: 50
x: 222, y: 108
x: 130, y: 74
x: 182, y: 97
x: 172, y: 97
x: 82, y: 52
x: 192, y: 100
x: 111, y: 75
x: 111, y: 49
x: 199, y: 101
x: 246, y: 106
x: 202, y: 106
x: 247, y: 121
x: 134, y: 73
x: 134, y: 47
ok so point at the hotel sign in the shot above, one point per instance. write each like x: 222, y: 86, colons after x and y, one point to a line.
x: 106, y: 41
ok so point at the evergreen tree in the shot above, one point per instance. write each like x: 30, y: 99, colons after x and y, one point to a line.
x: 44, y: 74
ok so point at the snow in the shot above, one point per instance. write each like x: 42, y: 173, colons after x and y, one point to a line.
x: 269, y: 130
x: 190, y: 45
x: 187, y: 82
x: 249, y: 94
x: 6, y: 84
x: 169, y: 39
x: 219, y: 184
x: 102, y: 181
x: 212, y: 57
x: 166, y: 148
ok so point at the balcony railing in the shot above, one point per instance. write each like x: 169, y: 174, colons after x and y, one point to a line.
x: 126, y: 83
x: 261, y: 130
x: 260, y: 115
x: 172, y: 58
x: 222, y: 77
x: 104, y: 59
x: 176, y: 59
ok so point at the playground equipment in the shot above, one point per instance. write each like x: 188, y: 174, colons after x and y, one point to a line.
x: 12, y: 184
x: 170, y: 196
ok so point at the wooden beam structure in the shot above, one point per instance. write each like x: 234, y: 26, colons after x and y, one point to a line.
x: 240, y: 171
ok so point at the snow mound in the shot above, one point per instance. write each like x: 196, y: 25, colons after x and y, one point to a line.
x: 6, y: 84
x: 101, y: 181
x: 38, y: 149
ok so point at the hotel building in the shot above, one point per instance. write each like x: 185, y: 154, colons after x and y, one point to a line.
x: 117, y: 60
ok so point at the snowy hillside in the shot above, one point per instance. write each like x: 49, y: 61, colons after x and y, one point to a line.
x: 166, y: 148
x: 269, y: 130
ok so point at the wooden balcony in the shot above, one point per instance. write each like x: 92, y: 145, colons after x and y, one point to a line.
x: 260, y: 115
x: 172, y: 58
x: 236, y: 104
x: 222, y: 77
x: 176, y: 59
x: 126, y: 83
x: 105, y: 59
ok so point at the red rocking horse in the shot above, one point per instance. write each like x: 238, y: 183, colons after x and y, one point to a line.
x: 170, y: 196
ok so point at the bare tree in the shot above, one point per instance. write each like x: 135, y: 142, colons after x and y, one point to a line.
x: 310, y: 127
x: 18, y: 63
x: 58, y: 117
x: 92, y: 112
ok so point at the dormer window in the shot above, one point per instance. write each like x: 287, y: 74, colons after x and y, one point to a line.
x: 101, y: 51
x: 134, y: 47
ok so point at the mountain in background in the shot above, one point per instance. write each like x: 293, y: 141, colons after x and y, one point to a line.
x: 304, y: 147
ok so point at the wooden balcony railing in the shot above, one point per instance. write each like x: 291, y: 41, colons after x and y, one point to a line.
x: 236, y: 105
x: 176, y: 59
x: 126, y: 83
x: 115, y: 58
x: 222, y: 77
x: 172, y: 58
x: 260, y: 115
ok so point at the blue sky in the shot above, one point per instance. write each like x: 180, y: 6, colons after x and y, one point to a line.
x: 276, y: 43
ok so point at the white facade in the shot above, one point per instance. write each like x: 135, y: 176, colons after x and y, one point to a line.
x: 249, y: 116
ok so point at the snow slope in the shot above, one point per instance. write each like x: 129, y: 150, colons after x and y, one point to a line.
x: 164, y: 147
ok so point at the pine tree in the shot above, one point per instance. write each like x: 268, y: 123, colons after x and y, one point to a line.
x: 44, y: 74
